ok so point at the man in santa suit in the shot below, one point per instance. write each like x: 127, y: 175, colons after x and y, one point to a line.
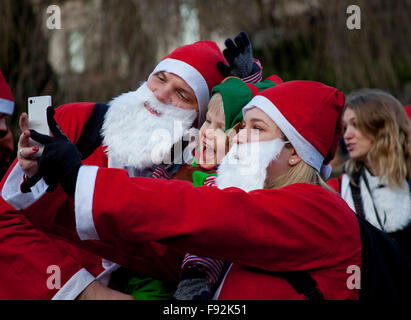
x: 286, y: 233
x: 126, y: 133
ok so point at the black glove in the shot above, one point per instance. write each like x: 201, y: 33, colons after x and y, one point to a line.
x: 239, y: 55
x: 197, y: 289
x: 193, y: 286
x: 60, y: 161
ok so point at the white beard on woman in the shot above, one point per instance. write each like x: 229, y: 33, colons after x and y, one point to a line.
x: 245, y: 165
x: 138, y: 138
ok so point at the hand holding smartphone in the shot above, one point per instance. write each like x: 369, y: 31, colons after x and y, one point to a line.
x: 37, y: 116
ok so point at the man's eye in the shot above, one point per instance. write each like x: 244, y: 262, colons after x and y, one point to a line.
x: 161, y: 77
x: 182, y: 96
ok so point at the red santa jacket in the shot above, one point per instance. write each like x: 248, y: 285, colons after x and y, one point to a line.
x: 298, y: 227
x: 335, y: 183
x: 31, y: 251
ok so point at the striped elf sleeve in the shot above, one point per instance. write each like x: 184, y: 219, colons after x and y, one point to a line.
x: 256, y: 77
x: 210, y: 181
x: 211, y: 267
x: 160, y: 173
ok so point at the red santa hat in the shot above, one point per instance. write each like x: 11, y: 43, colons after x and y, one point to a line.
x: 196, y: 64
x: 6, y: 97
x: 309, y: 114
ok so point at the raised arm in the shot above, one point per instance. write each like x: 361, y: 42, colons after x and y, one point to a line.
x: 71, y: 118
x: 261, y: 229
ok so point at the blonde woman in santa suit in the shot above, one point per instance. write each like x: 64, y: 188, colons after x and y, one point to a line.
x: 376, y: 182
x: 271, y: 214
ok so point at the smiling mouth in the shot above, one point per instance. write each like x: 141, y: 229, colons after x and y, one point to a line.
x: 151, y: 110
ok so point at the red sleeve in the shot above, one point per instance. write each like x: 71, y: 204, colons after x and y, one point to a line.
x: 72, y: 117
x: 293, y: 228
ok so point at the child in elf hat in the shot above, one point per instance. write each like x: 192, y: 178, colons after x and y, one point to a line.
x: 200, y: 275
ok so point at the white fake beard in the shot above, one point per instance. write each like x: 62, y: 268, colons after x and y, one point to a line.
x: 135, y: 137
x: 245, y: 165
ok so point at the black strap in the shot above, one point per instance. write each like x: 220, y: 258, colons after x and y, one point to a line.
x: 303, y: 283
x: 91, y: 138
x: 357, y: 198
x: 372, y: 200
x: 356, y: 194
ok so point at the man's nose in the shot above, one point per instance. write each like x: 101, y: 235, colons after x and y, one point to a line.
x: 163, y: 94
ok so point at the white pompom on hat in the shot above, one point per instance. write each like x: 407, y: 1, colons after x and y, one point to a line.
x: 6, y: 97
x: 196, y: 64
x: 309, y: 114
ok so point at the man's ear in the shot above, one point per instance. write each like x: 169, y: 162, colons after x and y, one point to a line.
x: 294, y: 158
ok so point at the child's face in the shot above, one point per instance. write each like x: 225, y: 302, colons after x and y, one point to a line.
x: 212, y: 137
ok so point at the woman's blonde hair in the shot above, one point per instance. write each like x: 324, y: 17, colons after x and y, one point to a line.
x: 382, y: 118
x: 299, y: 173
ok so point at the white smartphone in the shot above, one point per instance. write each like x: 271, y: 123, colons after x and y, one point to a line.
x: 37, y: 114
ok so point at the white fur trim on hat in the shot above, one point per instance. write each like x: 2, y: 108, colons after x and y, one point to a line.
x: 6, y: 106
x: 325, y: 171
x: 193, y: 78
x: 304, y: 149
